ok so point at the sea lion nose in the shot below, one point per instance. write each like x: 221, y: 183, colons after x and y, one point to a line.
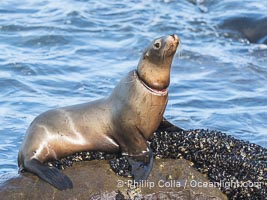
x: 173, y: 36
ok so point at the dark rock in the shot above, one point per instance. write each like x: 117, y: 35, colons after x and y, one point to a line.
x: 170, y: 179
x: 240, y: 167
x: 237, y: 167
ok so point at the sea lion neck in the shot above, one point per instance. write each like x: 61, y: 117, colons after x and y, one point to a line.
x: 157, y: 92
x: 155, y: 63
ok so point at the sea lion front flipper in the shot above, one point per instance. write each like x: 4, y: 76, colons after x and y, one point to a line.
x: 141, y: 165
x: 166, y: 125
x: 51, y: 175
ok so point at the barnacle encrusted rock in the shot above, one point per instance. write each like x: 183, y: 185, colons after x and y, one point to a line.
x: 237, y: 167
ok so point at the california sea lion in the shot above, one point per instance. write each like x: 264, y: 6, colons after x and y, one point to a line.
x: 121, y: 122
x: 253, y: 27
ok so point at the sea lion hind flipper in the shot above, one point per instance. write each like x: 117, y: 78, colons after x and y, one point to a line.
x: 51, y: 175
x: 141, y: 165
x: 168, y: 126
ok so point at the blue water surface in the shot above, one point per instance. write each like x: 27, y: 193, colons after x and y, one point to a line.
x: 56, y: 53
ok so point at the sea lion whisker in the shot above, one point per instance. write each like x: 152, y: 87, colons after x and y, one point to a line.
x: 179, y: 49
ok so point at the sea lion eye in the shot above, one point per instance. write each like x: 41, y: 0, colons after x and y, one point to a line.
x: 157, y: 45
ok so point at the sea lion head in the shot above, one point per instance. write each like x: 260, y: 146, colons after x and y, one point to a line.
x: 155, y: 63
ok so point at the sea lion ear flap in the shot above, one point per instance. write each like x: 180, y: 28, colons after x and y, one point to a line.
x: 146, y: 55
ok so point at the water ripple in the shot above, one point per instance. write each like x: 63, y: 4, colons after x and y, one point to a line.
x: 57, y: 54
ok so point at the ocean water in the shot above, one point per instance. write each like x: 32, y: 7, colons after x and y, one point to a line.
x: 55, y: 53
